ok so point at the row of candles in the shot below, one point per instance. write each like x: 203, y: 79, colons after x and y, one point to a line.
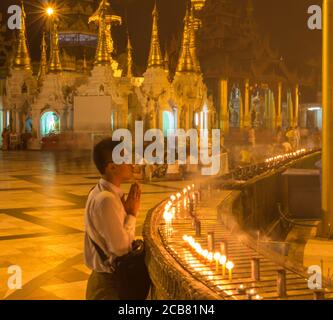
x: 286, y: 156
x: 209, y: 257
x: 188, y: 199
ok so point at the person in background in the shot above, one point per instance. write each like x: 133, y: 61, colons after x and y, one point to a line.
x: 5, y: 139
x: 287, y: 148
x: 110, y: 221
x: 291, y: 136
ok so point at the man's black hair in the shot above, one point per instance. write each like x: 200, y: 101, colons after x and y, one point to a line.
x: 102, y: 153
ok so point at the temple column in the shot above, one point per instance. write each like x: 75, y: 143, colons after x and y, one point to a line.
x: 247, y: 116
x: 290, y: 108
x: 327, y: 81
x: 278, y: 106
x: 224, y: 106
x: 296, y: 106
x: 13, y: 120
x: 16, y: 121
x: 191, y: 117
x: 271, y: 109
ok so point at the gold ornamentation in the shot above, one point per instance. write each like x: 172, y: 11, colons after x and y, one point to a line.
x: 22, y: 57
x: 155, y: 56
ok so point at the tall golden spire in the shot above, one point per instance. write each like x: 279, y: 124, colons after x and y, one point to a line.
x: 193, y: 40
x: 129, y: 58
x: 155, y: 56
x: 55, y: 63
x: 22, y: 57
x: 185, y: 62
x: 102, y: 56
x: 43, y: 60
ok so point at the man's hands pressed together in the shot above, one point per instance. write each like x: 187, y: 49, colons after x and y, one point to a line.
x: 132, y: 203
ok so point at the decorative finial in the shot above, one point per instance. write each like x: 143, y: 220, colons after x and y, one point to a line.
x: 55, y: 62
x: 103, y: 49
x: 155, y: 56
x: 129, y: 58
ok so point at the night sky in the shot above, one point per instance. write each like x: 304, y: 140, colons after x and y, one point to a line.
x: 285, y: 21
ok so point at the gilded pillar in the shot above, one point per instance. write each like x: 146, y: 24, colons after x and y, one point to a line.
x: 278, y: 106
x: 224, y: 106
x: 296, y: 106
x: 247, y: 116
x: 327, y: 165
x: 290, y: 108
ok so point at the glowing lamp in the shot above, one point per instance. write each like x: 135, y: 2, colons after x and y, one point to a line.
x: 49, y: 11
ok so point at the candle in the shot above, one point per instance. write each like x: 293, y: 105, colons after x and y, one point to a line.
x: 223, y: 260
x: 241, y: 289
x: 199, y: 252
x: 197, y: 248
x: 167, y: 217
x: 251, y: 293
x: 204, y: 254
x: 210, y: 258
x: 217, y: 257
x: 230, y: 265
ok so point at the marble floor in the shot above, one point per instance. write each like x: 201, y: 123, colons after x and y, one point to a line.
x: 42, y: 199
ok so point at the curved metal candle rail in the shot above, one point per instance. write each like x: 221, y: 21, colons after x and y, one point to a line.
x: 174, y: 280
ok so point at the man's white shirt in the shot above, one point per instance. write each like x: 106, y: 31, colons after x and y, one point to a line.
x: 108, y: 225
